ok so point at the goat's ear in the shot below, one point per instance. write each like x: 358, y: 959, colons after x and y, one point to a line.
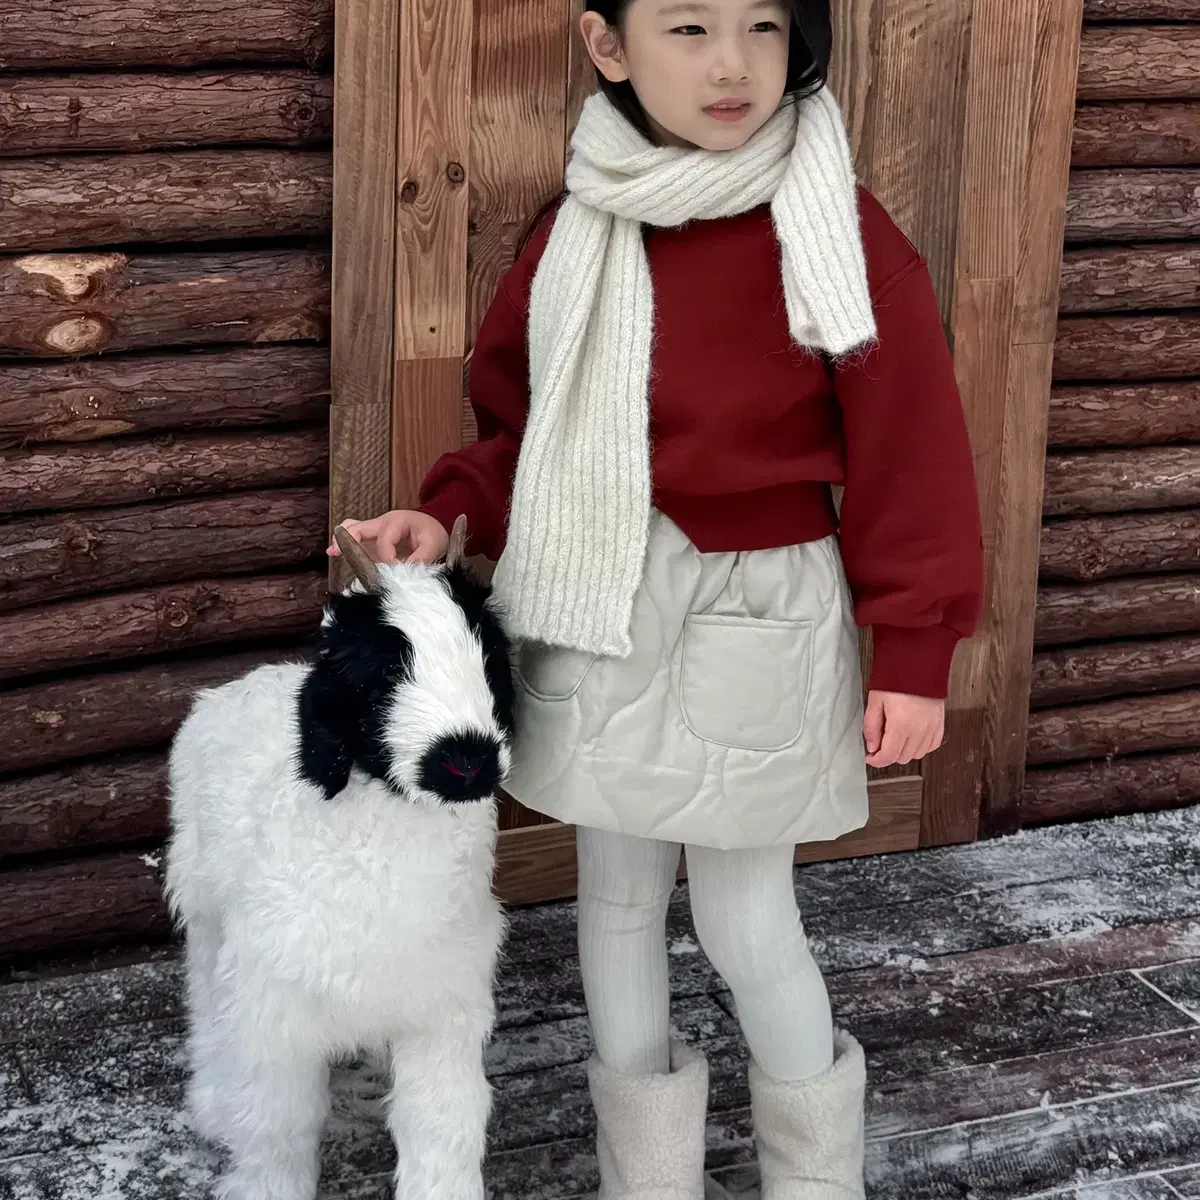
x: 324, y: 751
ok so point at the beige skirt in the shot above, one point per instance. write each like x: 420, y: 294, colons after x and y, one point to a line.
x: 737, y: 720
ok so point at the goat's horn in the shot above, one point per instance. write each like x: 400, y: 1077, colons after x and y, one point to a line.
x: 359, y: 561
x: 456, y: 551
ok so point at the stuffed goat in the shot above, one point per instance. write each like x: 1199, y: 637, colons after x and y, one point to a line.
x: 333, y: 835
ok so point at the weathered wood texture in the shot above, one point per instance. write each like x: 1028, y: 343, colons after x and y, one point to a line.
x: 90, y: 111
x: 1067, y: 676
x: 1124, y: 415
x: 69, y: 304
x: 1111, y: 787
x: 77, y: 201
x: 364, y: 254
x: 1131, y: 725
x: 1112, y: 481
x: 100, y: 803
x: 1109, y: 547
x: 1142, y: 62
x: 1130, y: 134
x: 1110, y: 278
x: 139, y: 394
x: 1141, y: 10
x: 127, y: 625
x: 45, y: 724
x: 127, y: 471
x: 1137, y: 346
x: 1117, y: 609
x: 86, y: 902
x: 1133, y: 205
x: 83, y: 553
x: 42, y: 34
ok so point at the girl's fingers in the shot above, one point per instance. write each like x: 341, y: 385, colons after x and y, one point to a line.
x: 873, y: 724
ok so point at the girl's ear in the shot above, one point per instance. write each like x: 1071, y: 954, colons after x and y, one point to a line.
x: 604, y: 47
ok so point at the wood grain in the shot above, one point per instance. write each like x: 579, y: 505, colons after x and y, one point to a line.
x: 581, y: 74
x: 1136, y: 135
x: 1124, y: 415
x: 1070, y: 675
x: 1133, y: 205
x: 89, y: 111
x: 1111, y: 547
x: 92, y: 804
x: 78, y: 201
x: 1117, y: 608
x: 136, y: 469
x: 57, y: 305
x: 86, y: 902
x: 1147, y: 62
x: 86, y: 400
x: 45, y: 724
x: 1141, y: 10
x: 1131, y: 725
x: 1115, y: 279
x: 1141, y: 346
x: 129, y: 625
x: 367, y: 80
x: 427, y: 425
x: 82, y: 553
x: 1111, y: 788
x: 1109, y: 481
x: 42, y: 34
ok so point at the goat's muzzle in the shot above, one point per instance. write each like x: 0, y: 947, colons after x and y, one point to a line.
x: 462, y: 767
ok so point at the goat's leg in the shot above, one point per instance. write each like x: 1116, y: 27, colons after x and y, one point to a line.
x: 438, y: 1113
x: 202, y: 950
x: 275, y: 1102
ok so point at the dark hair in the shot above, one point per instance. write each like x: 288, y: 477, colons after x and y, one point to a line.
x: 809, y: 48
x: 808, y: 54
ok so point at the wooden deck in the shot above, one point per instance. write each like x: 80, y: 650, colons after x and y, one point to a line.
x: 1030, y: 1008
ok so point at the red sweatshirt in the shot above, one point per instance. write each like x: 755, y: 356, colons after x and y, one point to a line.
x: 749, y: 431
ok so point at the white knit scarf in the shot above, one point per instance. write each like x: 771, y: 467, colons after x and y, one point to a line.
x: 580, y: 512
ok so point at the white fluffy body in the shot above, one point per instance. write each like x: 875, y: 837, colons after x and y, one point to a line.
x: 317, y: 927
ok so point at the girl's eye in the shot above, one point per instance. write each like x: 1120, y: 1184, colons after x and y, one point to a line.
x: 688, y: 30
x: 765, y: 27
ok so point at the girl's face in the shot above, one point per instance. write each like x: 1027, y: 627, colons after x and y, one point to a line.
x: 709, y: 73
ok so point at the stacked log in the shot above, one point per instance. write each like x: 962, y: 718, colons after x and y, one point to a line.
x: 1115, y: 698
x: 165, y: 180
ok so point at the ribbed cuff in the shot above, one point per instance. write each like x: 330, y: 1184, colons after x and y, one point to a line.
x: 914, y: 662
x: 455, y: 499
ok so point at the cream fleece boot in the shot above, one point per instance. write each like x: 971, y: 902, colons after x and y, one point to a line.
x: 810, y: 1133
x: 650, y: 1137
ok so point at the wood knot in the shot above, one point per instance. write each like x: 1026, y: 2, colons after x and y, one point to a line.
x: 455, y: 173
x: 408, y: 193
x: 71, y: 276
x: 78, y: 335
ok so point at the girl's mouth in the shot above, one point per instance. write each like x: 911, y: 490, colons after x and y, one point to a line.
x: 728, y: 110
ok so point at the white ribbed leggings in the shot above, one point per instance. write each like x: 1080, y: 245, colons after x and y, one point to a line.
x: 747, y: 922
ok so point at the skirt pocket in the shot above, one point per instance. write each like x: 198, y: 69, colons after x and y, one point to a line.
x: 551, y: 672
x: 744, y: 682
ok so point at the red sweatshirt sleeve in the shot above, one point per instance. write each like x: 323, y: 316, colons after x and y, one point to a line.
x: 910, y: 525
x: 478, y: 479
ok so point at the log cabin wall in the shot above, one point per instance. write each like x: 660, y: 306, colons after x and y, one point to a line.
x: 165, y: 216
x: 1115, y: 720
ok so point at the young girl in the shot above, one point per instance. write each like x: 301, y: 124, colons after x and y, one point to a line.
x: 712, y: 329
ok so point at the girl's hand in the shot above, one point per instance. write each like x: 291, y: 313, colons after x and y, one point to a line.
x: 424, y: 537
x: 900, y: 728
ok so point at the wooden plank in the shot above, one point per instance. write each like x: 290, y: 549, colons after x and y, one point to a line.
x: 78, y: 201
x: 1066, y: 676
x: 1147, y: 414
x: 1132, y: 725
x: 1141, y: 10
x: 1093, y: 548
x: 1116, y: 481
x: 1133, y: 205
x: 366, y: 80
x: 1137, y: 346
x: 537, y: 864
x: 82, y: 401
x: 581, y: 75
x: 1117, y: 608
x: 1146, y: 62
x: 1130, y: 134
x: 89, y: 111
x: 1108, y: 278
x: 518, y: 133
x: 426, y: 423
x: 1110, y: 788
x: 43, y: 34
